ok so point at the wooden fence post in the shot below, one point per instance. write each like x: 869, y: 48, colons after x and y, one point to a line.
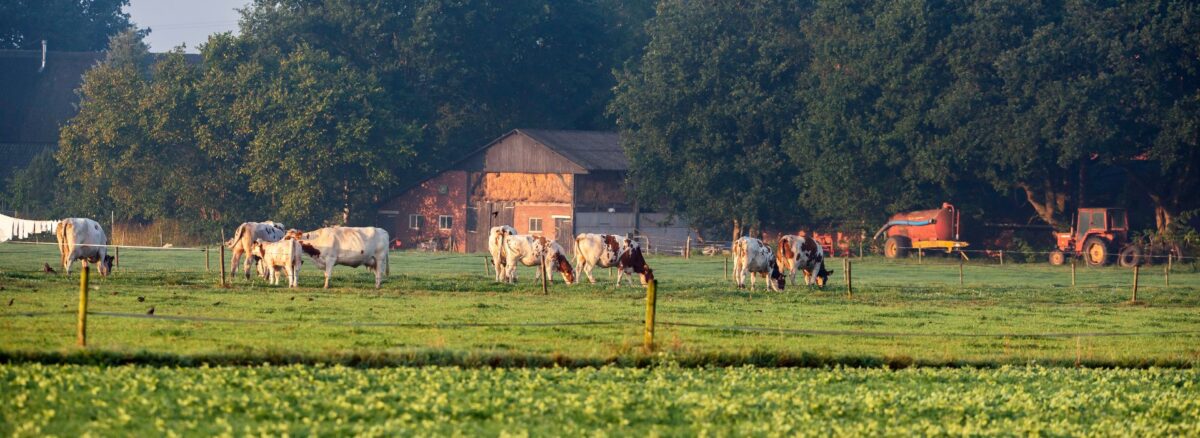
x: 1001, y: 257
x: 116, y: 256
x: 920, y: 256
x: 961, y: 256
x: 849, y: 279
x: 1135, y: 283
x: 651, y: 303
x: 726, y: 268
x: 222, y: 244
x: 1072, y: 271
x: 687, y: 248
x: 83, y: 302
x: 1167, y: 271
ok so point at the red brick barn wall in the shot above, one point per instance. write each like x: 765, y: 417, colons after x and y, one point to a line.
x: 544, y: 211
x: 444, y: 194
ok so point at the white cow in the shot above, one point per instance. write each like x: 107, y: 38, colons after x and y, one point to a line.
x: 752, y: 256
x: 243, y: 239
x: 597, y: 250
x: 801, y: 253
x: 496, y: 247
x: 282, y: 255
x: 347, y: 246
x: 528, y: 250
x: 82, y: 239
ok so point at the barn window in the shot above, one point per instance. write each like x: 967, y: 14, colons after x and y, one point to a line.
x: 416, y: 221
x: 445, y: 222
x: 535, y: 225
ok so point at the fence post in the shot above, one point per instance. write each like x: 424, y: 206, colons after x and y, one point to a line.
x: 651, y: 303
x: 1072, y: 271
x: 1135, y: 284
x: 727, y: 268
x: 961, y: 257
x: 1167, y: 270
x: 1001, y: 257
x: 687, y: 248
x: 117, y: 256
x: 545, y: 273
x: 207, y: 269
x: 222, y: 244
x: 849, y: 279
x: 487, y: 265
x: 920, y: 256
x: 83, y: 302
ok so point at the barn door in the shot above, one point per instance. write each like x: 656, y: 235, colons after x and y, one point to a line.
x: 488, y: 215
x: 562, y: 233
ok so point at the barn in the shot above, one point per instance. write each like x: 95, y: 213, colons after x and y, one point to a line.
x: 552, y: 183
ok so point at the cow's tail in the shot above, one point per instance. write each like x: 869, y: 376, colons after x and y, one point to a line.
x: 237, y: 235
x: 60, y: 233
x: 739, y: 249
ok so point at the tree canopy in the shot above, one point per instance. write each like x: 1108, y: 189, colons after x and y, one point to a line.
x: 70, y: 25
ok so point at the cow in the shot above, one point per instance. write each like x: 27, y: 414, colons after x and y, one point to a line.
x: 801, y: 253
x: 275, y: 256
x: 82, y: 239
x: 632, y: 262
x: 243, y: 239
x: 347, y: 246
x: 529, y: 250
x: 752, y: 256
x: 597, y: 250
x: 496, y: 247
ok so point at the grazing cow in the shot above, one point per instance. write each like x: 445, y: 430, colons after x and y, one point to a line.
x: 535, y: 251
x: 631, y: 261
x: 752, y: 256
x: 274, y: 256
x: 801, y: 253
x: 82, y: 239
x: 243, y: 239
x: 597, y: 250
x: 347, y: 246
x: 496, y: 247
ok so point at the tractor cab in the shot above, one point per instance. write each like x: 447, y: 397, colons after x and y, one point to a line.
x: 1097, y: 235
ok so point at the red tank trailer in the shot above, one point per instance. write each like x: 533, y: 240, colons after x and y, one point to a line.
x: 925, y: 229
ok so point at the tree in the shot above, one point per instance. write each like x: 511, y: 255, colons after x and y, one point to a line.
x: 703, y: 113
x: 68, y: 25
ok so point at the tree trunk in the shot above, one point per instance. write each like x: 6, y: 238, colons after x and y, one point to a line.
x: 1047, y: 202
x: 1163, y: 217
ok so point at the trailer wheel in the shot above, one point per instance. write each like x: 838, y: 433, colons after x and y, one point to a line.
x: 896, y: 247
x: 1131, y: 256
x: 1096, y: 251
x: 1057, y: 258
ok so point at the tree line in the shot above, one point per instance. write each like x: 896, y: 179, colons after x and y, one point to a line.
x: 746, y: 114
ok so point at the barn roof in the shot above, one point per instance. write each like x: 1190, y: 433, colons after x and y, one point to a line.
x: 591, y: 150
x: 33, y: 104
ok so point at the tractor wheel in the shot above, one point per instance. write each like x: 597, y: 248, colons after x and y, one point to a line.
x: 1096, y: 251
x: 1057, y: 258
x: 1131, y: 256
x: 896, y: 247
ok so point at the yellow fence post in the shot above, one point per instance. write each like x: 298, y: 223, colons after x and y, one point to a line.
x: 651, y: 302
x: 1135, y: 284
x: 83, y: 302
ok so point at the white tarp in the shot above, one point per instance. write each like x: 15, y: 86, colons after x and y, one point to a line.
x: 13, y: 228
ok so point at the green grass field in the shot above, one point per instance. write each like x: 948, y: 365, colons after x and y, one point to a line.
x: 443, y: 304
x: 444, y: 350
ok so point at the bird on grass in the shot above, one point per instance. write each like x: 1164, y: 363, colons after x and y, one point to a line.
x: 141, y: 299
x: 10, y: 301
x: 151, y: 311
x: 47, y: 269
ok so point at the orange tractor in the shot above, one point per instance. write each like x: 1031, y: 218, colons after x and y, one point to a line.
x: 1100, y: 233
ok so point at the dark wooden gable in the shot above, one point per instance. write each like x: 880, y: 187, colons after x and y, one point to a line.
x: 519, y: 153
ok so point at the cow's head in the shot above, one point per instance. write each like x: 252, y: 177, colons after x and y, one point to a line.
x: 822, y: 276
x: 106, y: 265
x: 564, y: 267
x: 776, y: 278
x: 647, y: 276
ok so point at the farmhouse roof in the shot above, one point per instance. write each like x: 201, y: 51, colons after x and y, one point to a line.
x: 591, y: 150
x: 33, y: 104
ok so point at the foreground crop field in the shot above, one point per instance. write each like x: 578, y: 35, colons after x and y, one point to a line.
x: 442, y: 309
x: 302, y: 400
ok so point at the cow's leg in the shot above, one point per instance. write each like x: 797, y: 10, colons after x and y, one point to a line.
x: 329, y: 270
x: 378, y: 274
x: 619, y: 272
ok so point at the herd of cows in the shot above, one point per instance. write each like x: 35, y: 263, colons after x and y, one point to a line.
x: 272, y: 251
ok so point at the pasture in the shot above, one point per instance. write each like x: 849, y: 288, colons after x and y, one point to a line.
x: 442, y: 349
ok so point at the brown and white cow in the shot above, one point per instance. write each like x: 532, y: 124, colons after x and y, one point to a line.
x: 632, y: 262
x: 347, y: 246
x: 597, y: 251
x: 282, y: 255
x: 752, y: 256
x: 802, y: 253
x: 538, y: 251
x: 82, y: 239
x: 243, y: 240
x: 496, y: 247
